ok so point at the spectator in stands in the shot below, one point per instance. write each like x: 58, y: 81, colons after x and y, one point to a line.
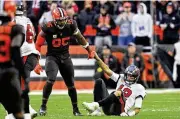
x: 47, y: 15
x: 176, y: 69
x: 67, y: 4
x: 142, y: 26
x: 35, y: 9
x: 103, y: 23
x: 160, y: 10
x: 124, y: 21
x: 176, y: 7
x: 86, y: 16
x: 111, y: 61
x: 101, y: 3
x: 132, y: 57
x: 170, y: 24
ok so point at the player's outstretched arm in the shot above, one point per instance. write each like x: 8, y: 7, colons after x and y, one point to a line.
x: 40, y: 41
x: 82, y: 41
x: 104, y: 67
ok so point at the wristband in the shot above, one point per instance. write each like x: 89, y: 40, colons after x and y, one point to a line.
x: 85, y: 46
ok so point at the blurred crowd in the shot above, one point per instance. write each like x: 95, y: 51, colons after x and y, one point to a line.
x: 134, y: 18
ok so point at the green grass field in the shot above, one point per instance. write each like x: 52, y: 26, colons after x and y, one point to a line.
x: 156, y: 106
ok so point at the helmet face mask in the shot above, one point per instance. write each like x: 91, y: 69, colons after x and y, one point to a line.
x: 60, y: 23
x: 60, y: 17
x: 132, y: 74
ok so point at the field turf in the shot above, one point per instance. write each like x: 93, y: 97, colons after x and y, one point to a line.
x: 156, y: 106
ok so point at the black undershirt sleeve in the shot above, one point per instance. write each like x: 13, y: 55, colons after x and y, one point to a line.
x: 18, y: 37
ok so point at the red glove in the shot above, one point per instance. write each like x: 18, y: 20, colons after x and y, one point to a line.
x: 91, y: 54
x: 38, y: 69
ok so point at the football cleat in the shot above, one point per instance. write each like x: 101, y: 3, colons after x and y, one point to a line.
x: 91, y: 107
x: 97, y: 112
x: 27, y: 116
x: 9, y: 116
x: 32, y: 112
x: 76, y: 112
x: 42, y: 111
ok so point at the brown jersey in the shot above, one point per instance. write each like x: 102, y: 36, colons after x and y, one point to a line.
x: 58, y: 39
x: 7, y: 32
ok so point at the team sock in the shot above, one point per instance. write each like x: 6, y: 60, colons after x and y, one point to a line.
x: 46, y: 93
x: 26, y: 103
x: 73, y: 95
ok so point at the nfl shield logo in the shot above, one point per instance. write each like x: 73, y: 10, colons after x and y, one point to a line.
x: 54, y: 36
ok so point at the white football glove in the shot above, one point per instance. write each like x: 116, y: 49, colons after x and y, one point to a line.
x: 124, y: 114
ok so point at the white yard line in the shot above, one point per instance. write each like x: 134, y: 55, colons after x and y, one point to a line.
x: 149, y: 91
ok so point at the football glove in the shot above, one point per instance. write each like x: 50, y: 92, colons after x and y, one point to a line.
x: 38, y: 69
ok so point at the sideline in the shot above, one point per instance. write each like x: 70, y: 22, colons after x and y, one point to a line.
x: 149, y: 91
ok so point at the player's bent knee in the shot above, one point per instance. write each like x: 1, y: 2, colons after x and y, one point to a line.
x: 98, y: 81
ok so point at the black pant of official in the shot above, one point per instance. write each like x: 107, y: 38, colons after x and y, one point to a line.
x: 10, y: 91
x: 29, y: 65
x: 101, y: 92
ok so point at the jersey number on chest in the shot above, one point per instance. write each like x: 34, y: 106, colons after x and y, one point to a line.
x: 58, y: 42
x: 126, y: 91
x: 4, y: 48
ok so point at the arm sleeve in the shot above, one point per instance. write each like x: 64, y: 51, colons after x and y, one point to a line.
x: 115, y: 77
x: 17, y: 41
x: 138, y: 102
x: 40, y: 40
x: 74, y: 27
x: 140, y: 92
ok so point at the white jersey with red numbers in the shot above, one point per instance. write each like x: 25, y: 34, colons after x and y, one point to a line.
x: 131, y: 93
x: 28, y: 46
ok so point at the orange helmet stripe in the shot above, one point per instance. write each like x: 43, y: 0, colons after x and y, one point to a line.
x: 59, y: 13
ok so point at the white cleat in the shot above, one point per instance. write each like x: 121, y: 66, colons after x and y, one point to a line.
x: 27, y: 116
x: 9, y: 116
x: 32, y: 112
x: 97, y: 112
x: 91, y: 107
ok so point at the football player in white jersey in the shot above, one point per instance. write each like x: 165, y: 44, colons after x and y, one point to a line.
x: 126, y: 100
x: 29, y: 54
